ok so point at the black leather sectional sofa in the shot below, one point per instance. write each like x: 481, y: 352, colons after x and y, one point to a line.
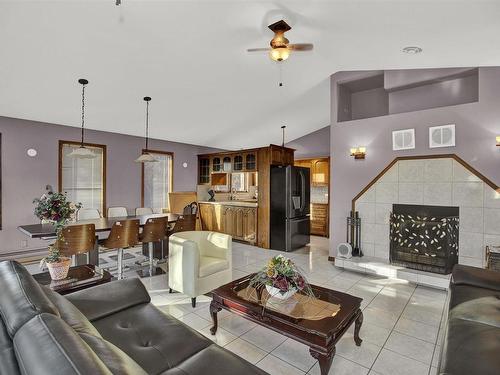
x: 109, y: 329
x: 471, y: 345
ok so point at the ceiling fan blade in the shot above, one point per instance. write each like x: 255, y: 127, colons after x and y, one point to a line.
x: 258, y: 49
x: 301, y: 46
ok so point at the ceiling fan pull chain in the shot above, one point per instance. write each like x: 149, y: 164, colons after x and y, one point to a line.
x: 280, y: 66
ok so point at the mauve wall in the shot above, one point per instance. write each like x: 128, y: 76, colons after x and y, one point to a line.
x: 477, y: 124
x: 24, y: 178
x: 312, y: 145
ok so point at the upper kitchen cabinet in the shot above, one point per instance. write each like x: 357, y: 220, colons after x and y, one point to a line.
x: 281, y: 155
x: 203, y: 170
x: 320, y: 172
x: 251, y: 161
x: 227, y: 164
x: 216, y: 164
x: 238, y: 163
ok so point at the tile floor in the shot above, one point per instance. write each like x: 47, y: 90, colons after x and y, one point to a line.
x: 401, y: 321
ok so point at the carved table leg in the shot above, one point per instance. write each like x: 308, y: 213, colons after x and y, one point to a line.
x: 214, y: 309
x: 325, y: 361
x: 357, y: 327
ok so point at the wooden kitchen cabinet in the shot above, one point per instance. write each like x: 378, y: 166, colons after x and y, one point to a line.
x: 203, y: 171
x: 320, y: 172
x: 319, y: 219
x: 250, y: 225
x: 239, y: 222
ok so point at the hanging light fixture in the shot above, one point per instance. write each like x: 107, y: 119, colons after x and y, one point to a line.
x: 146, y: 157
x: 82, y: 152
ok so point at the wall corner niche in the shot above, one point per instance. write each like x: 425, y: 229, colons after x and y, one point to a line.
x: 382, y: 93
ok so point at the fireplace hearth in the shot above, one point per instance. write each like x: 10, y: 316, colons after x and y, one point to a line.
x: 424, y: 237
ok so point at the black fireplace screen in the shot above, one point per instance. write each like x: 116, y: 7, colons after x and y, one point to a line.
x: 424, y: 237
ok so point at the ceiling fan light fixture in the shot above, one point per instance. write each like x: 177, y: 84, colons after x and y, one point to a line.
x: 279, y: 54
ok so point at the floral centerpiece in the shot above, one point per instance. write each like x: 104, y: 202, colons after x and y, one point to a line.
x: 55, y: 208
x: 281, y: 278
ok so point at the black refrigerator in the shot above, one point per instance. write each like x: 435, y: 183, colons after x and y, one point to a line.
x: 289, y: 203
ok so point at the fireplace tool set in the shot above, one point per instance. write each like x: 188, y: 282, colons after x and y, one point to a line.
x: 352, y: 246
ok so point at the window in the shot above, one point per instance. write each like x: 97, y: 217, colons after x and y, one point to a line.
x: 83, y: 180
x: 157, y: 181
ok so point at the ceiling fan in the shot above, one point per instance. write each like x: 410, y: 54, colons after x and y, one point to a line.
x: 280, y: 45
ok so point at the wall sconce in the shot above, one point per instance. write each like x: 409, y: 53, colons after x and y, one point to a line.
x: 358, y: 152
x: 498, y: 140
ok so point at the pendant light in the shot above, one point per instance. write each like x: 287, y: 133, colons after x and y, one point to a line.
x: 82, y: 152
x: 146, y: 157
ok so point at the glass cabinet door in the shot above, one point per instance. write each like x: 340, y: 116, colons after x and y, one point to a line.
x: 204, y: 170
x: 238, y: 163
x: 250, y: 162
x: 226, y: 164
x: 216, y: 164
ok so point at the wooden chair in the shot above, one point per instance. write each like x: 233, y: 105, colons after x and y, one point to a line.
x: 155, y: 230
x: 117, y: 212
x: 123, y: 235
x: 77, y: 239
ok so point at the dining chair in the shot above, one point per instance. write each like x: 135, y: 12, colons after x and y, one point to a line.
x: 77, y: 239
x: 88, y: 214
x: 123, y: 235
x: 143, y: 211
x: 117, y: 212
x: 154, y: 230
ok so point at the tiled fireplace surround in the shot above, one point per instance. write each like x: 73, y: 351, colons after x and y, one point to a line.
x: 436, y: 182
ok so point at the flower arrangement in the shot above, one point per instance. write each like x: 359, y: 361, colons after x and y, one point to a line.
x: 281, y: 277
x: 56, y: 209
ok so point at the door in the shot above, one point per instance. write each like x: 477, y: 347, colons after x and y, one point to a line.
x: 228, y: 219
x: 297, y: 233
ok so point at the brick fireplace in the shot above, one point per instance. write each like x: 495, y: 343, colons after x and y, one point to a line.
x: 424, y: 237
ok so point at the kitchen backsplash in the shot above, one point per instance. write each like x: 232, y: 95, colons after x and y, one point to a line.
x: 319, y: 194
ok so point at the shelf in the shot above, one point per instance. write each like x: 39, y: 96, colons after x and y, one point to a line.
x: 377, y: 94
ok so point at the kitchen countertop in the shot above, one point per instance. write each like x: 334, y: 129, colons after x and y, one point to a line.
x: 233, y: 203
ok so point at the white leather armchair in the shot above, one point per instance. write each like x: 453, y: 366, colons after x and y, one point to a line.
x: 199, y: 262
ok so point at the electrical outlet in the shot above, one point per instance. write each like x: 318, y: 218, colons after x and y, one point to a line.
x: 24, y: 243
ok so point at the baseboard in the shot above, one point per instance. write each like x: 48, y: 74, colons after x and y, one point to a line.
x: 25, y: 256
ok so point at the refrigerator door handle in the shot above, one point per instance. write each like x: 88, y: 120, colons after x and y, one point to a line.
x: 302, y: 191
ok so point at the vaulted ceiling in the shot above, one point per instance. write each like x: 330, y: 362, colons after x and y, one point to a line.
x: 190, y: 57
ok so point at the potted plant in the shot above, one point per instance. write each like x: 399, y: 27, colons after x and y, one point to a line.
x: 281, y: 278
x: 55, y: 208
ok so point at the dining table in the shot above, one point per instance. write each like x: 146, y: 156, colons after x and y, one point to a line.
x: 102, y: 225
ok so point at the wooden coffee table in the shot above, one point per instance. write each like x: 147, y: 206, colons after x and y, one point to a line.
x: 79, y: 277
x: 320, y: 335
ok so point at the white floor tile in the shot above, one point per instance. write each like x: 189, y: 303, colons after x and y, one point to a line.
x: 275, y: 366
x: 391, y: 363
x: 246, y: 350
x: 410, y: 347
x: 363, y: 355
x: 264, y: 338
x: 416, y: 329
x: 295, y: 353
x: 341, y: 366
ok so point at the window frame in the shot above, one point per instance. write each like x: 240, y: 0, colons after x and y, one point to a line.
x: 171, y: 182
x: 104, y: 168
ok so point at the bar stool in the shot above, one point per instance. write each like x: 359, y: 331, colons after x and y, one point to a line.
x: 77, y: 239
x: 155, y: 230
x: 123, y: 235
